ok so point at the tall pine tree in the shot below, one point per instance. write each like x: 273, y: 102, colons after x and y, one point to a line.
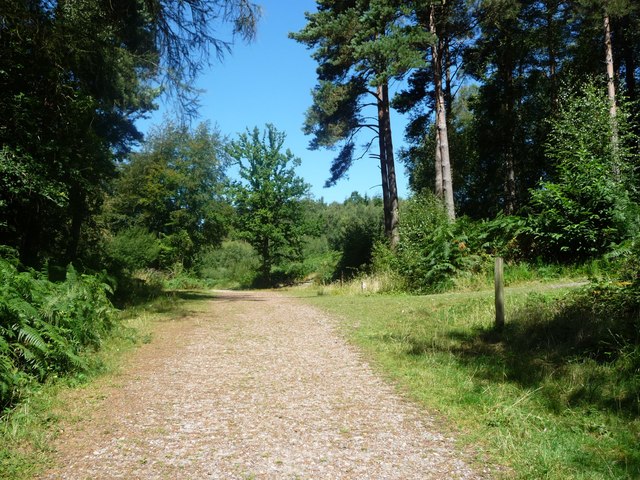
x: 360, y: 46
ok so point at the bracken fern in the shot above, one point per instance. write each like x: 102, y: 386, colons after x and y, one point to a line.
x: 46, y: 326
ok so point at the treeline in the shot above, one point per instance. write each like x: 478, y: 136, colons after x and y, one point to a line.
x: 74, y: 78
x: 485, y: 81
x: 515, y: 109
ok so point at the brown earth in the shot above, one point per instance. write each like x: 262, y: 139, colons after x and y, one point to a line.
x: 257, y: 386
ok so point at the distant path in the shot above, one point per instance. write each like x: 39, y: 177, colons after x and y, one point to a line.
x: 257, y: 387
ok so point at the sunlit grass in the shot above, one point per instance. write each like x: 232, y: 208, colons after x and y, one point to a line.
x: 538, y: 412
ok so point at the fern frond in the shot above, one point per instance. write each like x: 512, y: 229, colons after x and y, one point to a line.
x: 31, y: 337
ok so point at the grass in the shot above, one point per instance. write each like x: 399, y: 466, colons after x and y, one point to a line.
x: 26, y: 431
x: 533, y: 398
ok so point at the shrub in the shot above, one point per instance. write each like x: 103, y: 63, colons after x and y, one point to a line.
x: 432, y: 249
x: 234, y: 264
x: 134, y: 248
x: 356, y: 230
x: 584, y: 210
x: 504, y: 235
x: 45, y: 326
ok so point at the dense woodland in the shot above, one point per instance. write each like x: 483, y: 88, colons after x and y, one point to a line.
x: 523, y: 142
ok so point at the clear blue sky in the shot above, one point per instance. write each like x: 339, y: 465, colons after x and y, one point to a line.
x: 270, y: 81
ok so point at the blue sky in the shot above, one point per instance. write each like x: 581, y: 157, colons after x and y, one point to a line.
x: 270, y: 81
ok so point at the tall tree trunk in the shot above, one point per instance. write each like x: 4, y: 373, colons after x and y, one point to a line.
x: 387, y: 167
x: 439, y: 190
x: 611, y: 86
x: 383, y: 170
x: 611, y: 90
x: 442, y: 140
x: 508, y: 119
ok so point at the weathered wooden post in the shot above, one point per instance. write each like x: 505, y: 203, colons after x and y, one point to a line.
x: 499, y: 284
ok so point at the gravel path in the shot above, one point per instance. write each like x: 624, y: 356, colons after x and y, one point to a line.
x: 257, y: 387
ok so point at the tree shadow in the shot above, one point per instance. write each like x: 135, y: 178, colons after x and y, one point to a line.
x: 573, y: 356
x: 237, y: 296
x: 571, y: 342
x: 192, y: 295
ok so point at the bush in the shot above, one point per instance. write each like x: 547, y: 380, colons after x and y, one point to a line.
x: 505, y: 236
x: 235, y: 264
x: 133, y: 249
x: 45, y: 326
x: 585, y: 209
x: 354, y: 233
x: 432, y: 250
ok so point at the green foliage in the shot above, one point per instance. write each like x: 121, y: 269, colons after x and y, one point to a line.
x: 74, y: 78
x: 235, y: 264
x: 353, y: 229
x: 45, y: 326
x: 268, y: 198
x: 432, y: 250
x: 69, y: 80
x: 134, y: 248
x: 584, y: 210
x: 174, y: 190
x: 504, y: 235
x: 137, y: 287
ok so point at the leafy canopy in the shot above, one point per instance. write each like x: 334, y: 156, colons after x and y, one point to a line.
x: 174, y: 189
x: 268, y: 196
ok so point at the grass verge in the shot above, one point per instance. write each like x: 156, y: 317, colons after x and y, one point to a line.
x: 534, y: 398
x: 27, y: 430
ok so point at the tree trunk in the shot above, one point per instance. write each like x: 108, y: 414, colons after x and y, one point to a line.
x: 611, y: 86
x: 439, y: 190
x: 442, y: 140
x: 383, y: 173
x: 387, y: 167
x: 508, y: 157
x: 611, y: 91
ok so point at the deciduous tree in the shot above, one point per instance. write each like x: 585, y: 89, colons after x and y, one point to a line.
x: 268, y: 197
x: 74, y: 77
x: 174, y: 189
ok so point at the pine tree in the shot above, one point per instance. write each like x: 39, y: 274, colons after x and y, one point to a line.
x: 360, y: 46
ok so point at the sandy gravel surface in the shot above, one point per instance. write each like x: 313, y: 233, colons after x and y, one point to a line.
x: 257, y: 387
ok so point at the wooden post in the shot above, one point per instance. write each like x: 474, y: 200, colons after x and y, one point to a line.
x: 499, y: 284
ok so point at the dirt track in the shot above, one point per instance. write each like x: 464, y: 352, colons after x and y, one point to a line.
x: 258, y: 386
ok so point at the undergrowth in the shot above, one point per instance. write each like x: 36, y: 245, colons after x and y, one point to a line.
x: 46, y: 327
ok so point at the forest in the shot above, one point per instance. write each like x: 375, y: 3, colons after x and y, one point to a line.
x: 523, y: 142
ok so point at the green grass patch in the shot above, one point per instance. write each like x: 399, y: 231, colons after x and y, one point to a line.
x: 551, y: 396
